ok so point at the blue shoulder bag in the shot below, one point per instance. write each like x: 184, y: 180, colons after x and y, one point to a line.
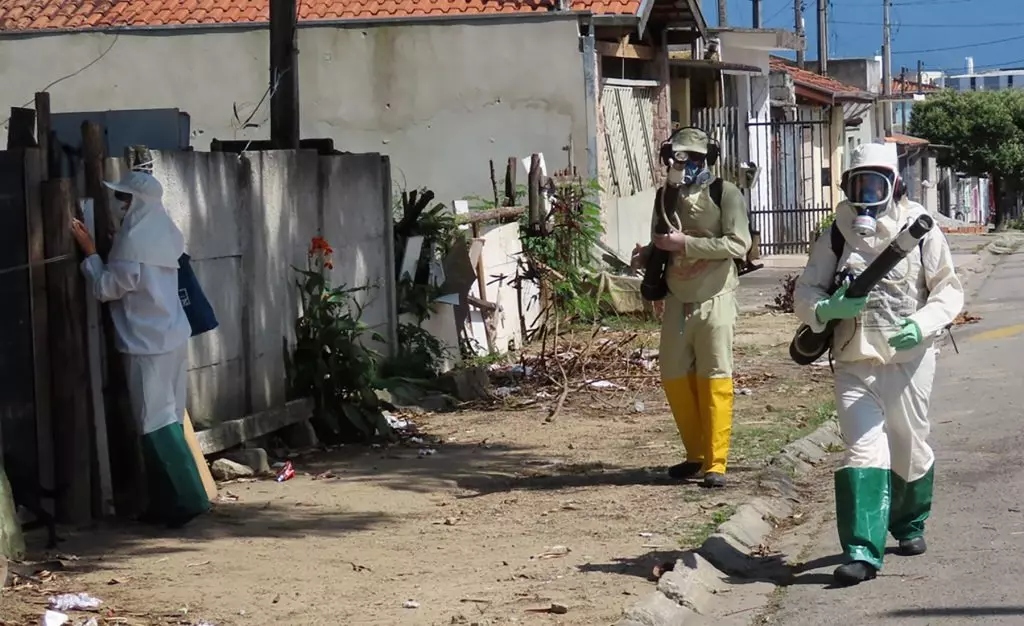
x: 197, y: 308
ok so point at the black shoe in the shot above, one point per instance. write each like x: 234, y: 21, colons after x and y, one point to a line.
x: 913, y: 547
x: 713, y: 480
x: 682, y: 471
x: 854, y: 573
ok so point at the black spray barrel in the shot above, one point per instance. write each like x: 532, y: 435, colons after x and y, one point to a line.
x: 808, y: 346
x: 654, y: 287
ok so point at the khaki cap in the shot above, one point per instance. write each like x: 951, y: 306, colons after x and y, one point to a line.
x: 690, y: 140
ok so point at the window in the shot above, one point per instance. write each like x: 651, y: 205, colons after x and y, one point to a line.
x: 1009, y: 81
x: 992, y: 83
x: 974, y: 83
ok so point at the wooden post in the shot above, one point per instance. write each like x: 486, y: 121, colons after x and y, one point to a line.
x: 44, y: 127
x: 284, y: 75
x: 122, y: 432
x: 510, y: 181
x: 536, y: 203
x: 70, y: 376
x: 34, y: 220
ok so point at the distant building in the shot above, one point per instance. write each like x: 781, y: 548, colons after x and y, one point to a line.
x: 986, y: 80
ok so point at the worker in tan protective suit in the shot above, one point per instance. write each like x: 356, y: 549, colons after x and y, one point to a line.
x: 700, y: 309
x: 884, y: 359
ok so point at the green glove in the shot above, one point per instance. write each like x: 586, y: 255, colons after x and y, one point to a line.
x: 839, y: 307
x: 908, y: 337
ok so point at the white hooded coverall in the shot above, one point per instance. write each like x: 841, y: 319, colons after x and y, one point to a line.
x: 882, y: 395
x: 140, y: 281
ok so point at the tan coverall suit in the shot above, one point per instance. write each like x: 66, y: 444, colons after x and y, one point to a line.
x: 699, y: 317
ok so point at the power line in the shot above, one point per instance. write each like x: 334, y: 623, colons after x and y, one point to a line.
x: 961, y: 47
x: 72, y: 74
x: 902, y: 25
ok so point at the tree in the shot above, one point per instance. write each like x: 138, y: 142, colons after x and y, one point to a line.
x: 984, y: 131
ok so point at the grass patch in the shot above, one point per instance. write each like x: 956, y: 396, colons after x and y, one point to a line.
x: 697, y: 535
x: 755, y: 442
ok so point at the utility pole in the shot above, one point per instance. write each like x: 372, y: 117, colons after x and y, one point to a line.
x: 823, y: 37
x: 757, y: 13
x: 903, y: 100
x: 920, y: 76
x: 723, y: 20
x: 886, y: 70
x: 284, y: 75
x: 798, y: 24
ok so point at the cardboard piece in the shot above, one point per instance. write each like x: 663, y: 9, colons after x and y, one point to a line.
x: 197, y: 454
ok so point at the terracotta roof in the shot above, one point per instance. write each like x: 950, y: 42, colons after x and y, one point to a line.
x: 21, y: 15
x: 912, y: 87
x: 818, y: 82
x: 906, y: 140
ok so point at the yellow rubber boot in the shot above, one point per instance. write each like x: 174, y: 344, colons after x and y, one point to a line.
x: 715, y: 397
x: 682, y: 398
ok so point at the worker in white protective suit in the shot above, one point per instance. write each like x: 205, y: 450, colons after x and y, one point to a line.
x: 884, y: 359
x: 140, y: 281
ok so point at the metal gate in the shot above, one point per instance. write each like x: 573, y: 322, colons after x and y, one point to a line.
x: 629, y: 158
x: 794, y: 150
x: 722, y: 125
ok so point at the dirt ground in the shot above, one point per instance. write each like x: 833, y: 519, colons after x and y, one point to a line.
x: 504, y: 516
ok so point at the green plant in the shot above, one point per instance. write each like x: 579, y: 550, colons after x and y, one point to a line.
x: 563, y: 257
x: 822, y: 226
x: 419, y: 355
x: 330, y: 362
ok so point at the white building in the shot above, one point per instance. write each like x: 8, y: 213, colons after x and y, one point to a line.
x: 986, y: 80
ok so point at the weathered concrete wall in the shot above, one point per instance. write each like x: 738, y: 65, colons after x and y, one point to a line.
x: 439, y: 99
x: 247, y: 223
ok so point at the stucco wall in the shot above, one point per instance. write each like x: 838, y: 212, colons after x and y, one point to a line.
x: 439, y: 99
x: 247, y: 222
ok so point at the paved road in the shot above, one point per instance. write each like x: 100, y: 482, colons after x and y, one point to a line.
x: 974, y: 570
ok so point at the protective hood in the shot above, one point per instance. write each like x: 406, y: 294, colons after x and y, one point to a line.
x: 147, y: 234
x: 870, y: 179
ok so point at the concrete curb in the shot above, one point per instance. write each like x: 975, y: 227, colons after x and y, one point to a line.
x: 685, y: 595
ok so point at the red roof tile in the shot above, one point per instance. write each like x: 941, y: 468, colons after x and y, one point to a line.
x: 912, y: 87
x: 20, y: 15
x: 906, y: 140
x: 815, y: 81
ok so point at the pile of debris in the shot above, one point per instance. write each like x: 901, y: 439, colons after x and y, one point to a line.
x: 581, y: 361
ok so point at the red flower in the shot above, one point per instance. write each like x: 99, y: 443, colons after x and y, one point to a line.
x: 319, y: 244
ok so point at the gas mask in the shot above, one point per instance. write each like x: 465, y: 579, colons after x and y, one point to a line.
x: 126, y: 202
x: 869, y: 191
x: 686, y: 169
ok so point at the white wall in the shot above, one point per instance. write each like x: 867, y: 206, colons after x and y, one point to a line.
x: 500, y: 253
x: 247, y: 222
x: 439, y: 99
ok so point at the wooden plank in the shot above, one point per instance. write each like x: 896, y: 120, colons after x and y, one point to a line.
x: 235, y: 432
x: 94, y: 339
x: 43, y: 128
x: 122, y: 432
x: 72, y: 427
x: 624, y: 50
x: 34, y: 176
x: 209, y: 484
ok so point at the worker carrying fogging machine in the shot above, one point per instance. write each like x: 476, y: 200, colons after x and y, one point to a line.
x: 878, y: 288
x: 700, y: 238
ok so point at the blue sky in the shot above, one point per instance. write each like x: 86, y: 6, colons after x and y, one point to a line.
x: 941, y: 33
